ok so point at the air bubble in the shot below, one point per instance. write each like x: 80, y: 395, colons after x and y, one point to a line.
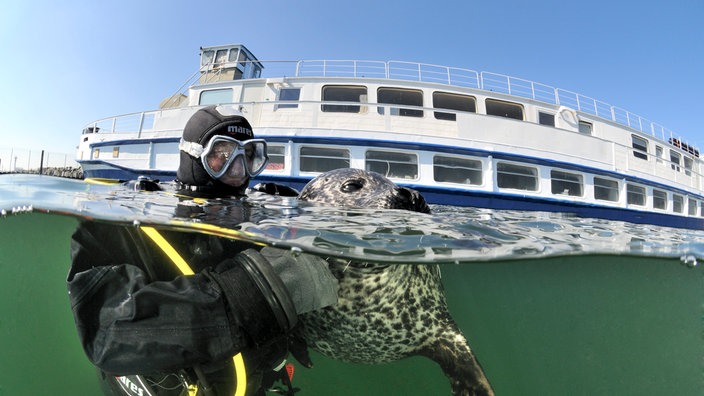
x: 689, y: 260
x: 22, y: 209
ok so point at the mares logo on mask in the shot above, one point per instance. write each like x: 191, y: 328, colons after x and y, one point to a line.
x: 236, y: 129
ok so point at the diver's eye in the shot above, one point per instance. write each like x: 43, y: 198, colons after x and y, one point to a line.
x: 352, y: 185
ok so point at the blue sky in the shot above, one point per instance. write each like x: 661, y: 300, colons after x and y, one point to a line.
x: 66, y: 64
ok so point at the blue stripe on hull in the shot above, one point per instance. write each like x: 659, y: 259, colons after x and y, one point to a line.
x: 466, y: 198
x: 523, y: 203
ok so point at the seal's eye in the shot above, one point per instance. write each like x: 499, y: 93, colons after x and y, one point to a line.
x: 351, y: 186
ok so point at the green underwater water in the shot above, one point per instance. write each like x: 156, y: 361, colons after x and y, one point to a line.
x: 572, y: 325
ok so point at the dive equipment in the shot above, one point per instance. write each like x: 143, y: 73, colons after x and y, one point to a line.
x: 240, y: 370
x: 219, y: 155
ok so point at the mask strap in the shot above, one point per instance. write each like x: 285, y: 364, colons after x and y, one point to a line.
x: 193, y: 149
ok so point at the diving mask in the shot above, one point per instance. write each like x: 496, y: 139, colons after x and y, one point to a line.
x: 226, y: 155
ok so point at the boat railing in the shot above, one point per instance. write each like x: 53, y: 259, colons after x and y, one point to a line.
x: 468, y: 78
x: 126, y: 123
x: 487, y: 81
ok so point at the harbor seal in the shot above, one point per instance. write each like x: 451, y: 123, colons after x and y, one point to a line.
x: 386, y: 312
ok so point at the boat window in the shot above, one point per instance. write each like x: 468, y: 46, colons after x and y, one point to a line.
x: 234, y: 52
x: 677, y: 203
x: 640, y: 147
x: 96, y: 153
x: 215, y: 96
x: 323, y: 159
x: 207, y: 57
x: 566, y: 183
x: 659, y: 199
x: 691, y: 207
x: 701, y: 208
x: 116, y: 152
x: 401, y: 97
x: 605, y: 189
x: 444, y: 100
x: 221, y: 56
x: 341, y: 93
x: 277, y: 157
x: 635, y: 195
x: 392, y: 164
x: 516, y: 176
x: 504, y: 109
x: 457, y: 170
x: 546, y: 119
x: 675, y: 160
x: 585, y: 127
x: 289, y: 94
x: 688, y: 166
x: 659, y: 154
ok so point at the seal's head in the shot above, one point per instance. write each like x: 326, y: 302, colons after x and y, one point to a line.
x: 360, y: 188
x: 218, y: 152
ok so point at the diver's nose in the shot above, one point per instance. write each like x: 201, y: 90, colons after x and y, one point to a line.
x: 237, y: 168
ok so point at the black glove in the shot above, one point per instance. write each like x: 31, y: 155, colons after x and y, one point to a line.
x: 266, y: 291
x: 308, y: 280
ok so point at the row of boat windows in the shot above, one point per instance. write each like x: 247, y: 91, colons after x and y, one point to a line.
x: 357, y: 96
x: 395, y: 96
x: 469, y: 171
x: 677, y: 160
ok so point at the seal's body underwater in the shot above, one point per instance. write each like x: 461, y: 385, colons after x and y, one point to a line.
x: 387, y: 312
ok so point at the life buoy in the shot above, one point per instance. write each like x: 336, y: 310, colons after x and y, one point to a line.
x: 569, y: 116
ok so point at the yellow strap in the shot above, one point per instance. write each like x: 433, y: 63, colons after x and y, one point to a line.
x: 168, y: 249
x: 241, y: 374
x: 100, y: 180
x: 185, y: 269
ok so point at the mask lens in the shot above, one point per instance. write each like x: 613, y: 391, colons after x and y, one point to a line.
x: 236, y: 168
x: 219, y: 154
x: 226, y: 155
x: 255, y: 153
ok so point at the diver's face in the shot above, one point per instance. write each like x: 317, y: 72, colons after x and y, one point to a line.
x: 227, y: 159
x: 233, y: 176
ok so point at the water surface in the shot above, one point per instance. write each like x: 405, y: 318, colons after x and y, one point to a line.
x: 552, y: 304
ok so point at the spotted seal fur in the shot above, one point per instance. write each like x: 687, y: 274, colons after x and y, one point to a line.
x: 387, y: 312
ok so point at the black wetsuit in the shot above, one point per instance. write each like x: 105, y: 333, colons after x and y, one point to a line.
x: 130, y: 302
x: 136, y: 314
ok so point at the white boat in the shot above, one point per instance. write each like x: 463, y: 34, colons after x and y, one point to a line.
x: 458, y: 136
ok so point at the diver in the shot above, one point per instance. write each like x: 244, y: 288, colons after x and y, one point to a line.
x: 169, y: 313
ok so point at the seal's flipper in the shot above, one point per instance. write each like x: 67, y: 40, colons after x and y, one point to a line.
x: 451, y: 351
